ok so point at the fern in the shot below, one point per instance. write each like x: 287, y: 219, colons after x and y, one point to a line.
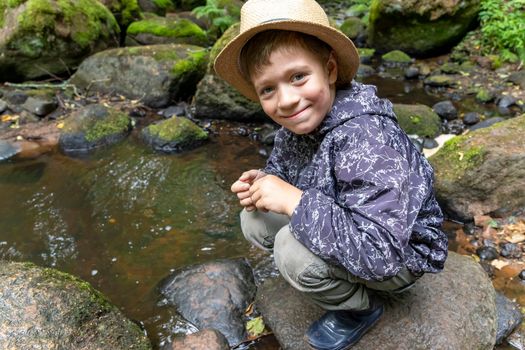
x: 219, y: 17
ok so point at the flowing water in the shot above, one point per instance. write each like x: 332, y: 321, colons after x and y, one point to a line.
x: 125, y: 217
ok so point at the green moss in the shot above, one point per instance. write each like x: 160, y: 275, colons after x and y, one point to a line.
x: 163, y: 4
x: 396, y: 56
x: 116, y: 123
x: 456, y: 157
x: 484, y: 95
x: 193, y: 62
x: 177, y: 129
x: 181, y: 28
x: 87, y: 19
x: 352, y: 27
x: 130, y: 11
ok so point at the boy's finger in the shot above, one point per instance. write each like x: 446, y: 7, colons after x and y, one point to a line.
x: 249, y: 175
x: 239, y: 186
x: 243, y: 195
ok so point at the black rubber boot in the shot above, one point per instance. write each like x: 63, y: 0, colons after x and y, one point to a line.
x: 339, y: 330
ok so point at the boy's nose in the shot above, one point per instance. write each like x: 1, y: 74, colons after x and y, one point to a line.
x: 288, y: 98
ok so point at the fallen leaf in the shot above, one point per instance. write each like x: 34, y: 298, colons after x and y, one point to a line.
x: 520, y: 237
x: 248, y: 310
x: 255, y: 327
x: 60, y: 125
x: 499, y: 264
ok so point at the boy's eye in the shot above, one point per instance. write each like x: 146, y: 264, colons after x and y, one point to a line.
x: 265, y: 91
x: 298, y: 77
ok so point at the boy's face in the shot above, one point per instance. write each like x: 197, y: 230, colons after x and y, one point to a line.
x: 295, y: 89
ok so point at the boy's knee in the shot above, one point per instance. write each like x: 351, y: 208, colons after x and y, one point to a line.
x: 260, y: 228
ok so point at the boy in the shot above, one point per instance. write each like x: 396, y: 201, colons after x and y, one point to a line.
x: 345, y: 199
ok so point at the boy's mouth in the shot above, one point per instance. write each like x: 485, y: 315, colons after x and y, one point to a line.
x: 296, y: 114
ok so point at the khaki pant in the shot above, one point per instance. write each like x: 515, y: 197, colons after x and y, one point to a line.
x: 329, y: 286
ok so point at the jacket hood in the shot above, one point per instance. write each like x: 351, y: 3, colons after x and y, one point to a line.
x: 358, y: 100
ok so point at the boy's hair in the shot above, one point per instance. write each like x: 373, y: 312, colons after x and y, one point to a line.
x: 256, y: 53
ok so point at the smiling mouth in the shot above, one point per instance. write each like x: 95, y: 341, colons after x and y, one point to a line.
x: 291, y: 116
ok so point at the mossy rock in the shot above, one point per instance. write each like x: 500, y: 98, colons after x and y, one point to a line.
x: 92, y: 127
x: 42, y: 37
x: 484, y: 95
x: 352, y: 27
x: 396, y: 57
x: 421, y: 28
x: 43, y: 308
x: 156, y: 74
x: 482, y: 171
x: 440, y: 80
x: 357, y: 10
x: 174, y: 135
x: 161, y: 30
x: 418, y: 120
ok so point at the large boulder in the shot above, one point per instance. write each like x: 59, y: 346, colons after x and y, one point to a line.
x: 156, y: 75
x: 483, y: 171
x: 155, y: 30
x: 421, y: 28
x: 454, y: 309
x: 42, y: 37
x: 216, y: 99
x: 44, y: 308
x: 213, y: 295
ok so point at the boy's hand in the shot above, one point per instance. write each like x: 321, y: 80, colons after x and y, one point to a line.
x: 270, y: 193
x: 242, y: 186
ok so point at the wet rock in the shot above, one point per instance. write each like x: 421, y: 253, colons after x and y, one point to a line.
x: 482, y: 171
x: 471, y: 118
x: 171, y: 111
x: 454, y: 309
x: 522, y: 275
x: 207, y: 339
x: 469, y: 228
x: 365, y: 70
x: 487, y: 253
x: 518, y: 78
x: 213, y: 295
x: 366, y: 55
x: 396, y: 58
x: 510, y: 250
x: 486, y: 123
x: 506, y: 101
x: 173, y: 135
x: 440, y: 81
x: 173, y: 71
x: 394, y: 24
x: 56, y: 42
x: 446, y: 110
x: 418, y: 119
x: 268, y: 137
x: 47, y: 309
x: 7, y: 150
x: 430, y: 143
x: 509, y: 317
x: 455, y: 127
x: 412, y: 73
x: 241, y: 131
x: 417, y: 141
x: 15, y: 97
x: 40, y: 107
x: 92, y: 127
x: 3, y: 106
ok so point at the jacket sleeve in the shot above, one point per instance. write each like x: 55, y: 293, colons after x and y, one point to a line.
x: 275, y: 164
x: 363, y: 226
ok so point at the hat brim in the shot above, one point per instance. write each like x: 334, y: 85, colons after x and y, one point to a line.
x: 227, y: 64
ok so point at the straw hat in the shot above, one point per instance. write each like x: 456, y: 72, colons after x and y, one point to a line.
x: 305, y: 16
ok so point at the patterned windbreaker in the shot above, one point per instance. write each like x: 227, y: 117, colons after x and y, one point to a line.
x: 368, y: 203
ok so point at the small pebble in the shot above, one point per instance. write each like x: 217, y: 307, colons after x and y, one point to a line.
x: 430, y: 143
x: 506, y: 101
x: 522, y: 275
x: 510, y: 250
x: 412, y: 73
x: 94, y: 272
x: 469, y: 228
x: 446, y: 110
x: 487, y: 253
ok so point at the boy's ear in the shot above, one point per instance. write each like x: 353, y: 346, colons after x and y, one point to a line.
x: 331, y: 67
